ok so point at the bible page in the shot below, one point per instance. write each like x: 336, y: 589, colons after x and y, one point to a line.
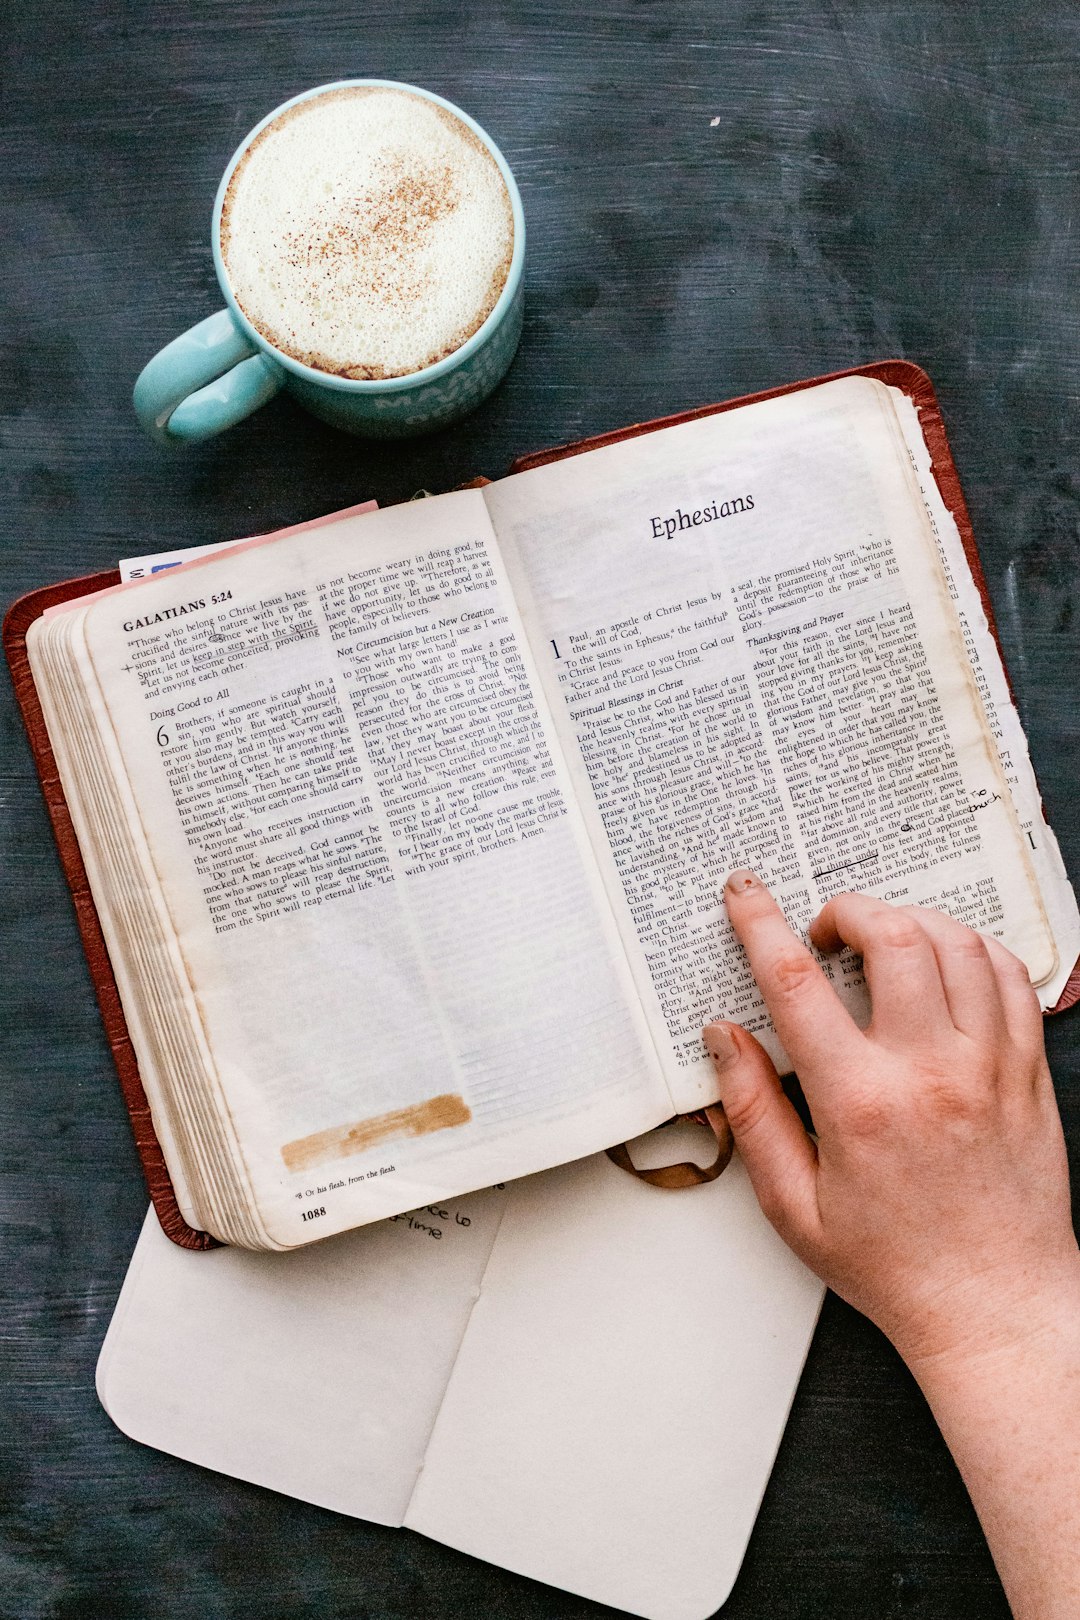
x: 398, y: 950
x: 745, y: 632
x: 1057, y: 892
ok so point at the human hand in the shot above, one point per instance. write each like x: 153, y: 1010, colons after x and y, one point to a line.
x: 935, y: 1198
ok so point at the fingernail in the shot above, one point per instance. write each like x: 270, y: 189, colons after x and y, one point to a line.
x: 743, y: 879
x: 720, y: 1044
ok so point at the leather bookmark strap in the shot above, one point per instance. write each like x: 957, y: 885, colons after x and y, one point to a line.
x: 685, y: 1174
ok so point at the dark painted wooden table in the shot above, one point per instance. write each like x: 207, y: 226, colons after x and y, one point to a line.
x: 719, y: 197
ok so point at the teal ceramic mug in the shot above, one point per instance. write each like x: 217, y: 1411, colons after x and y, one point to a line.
x: 224, y: 368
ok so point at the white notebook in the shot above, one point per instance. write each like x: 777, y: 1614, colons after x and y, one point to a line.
x: 579, y: 1377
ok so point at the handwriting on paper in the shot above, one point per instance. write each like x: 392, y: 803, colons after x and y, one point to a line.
x: 433, y: 1220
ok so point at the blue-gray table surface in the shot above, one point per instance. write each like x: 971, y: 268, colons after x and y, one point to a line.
x: 720, y: 197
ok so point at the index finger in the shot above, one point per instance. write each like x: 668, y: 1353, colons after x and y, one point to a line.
x: 815, y: 1027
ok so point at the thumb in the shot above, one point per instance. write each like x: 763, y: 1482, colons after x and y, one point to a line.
x: 780, y: 1158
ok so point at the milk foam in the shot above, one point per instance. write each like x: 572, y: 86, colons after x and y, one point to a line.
x: 367, y: 232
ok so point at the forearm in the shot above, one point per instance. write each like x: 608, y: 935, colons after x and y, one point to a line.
x: 1010, y: 1415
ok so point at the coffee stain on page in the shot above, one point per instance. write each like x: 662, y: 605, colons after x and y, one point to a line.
x: 436, y: 1114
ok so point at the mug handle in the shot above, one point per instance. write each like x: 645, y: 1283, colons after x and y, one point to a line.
x: 203, y: 381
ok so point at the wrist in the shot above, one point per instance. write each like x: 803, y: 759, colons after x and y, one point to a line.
x: 1006, y: 1396
x: 997, y: 1328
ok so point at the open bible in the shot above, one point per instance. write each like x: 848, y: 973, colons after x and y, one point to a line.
x: 407, y: 835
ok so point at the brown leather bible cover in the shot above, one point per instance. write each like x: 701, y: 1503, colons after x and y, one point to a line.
x: 897, y: 373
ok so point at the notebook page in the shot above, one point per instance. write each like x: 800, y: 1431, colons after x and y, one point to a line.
x: 627, y: 1361
x: 622, y: 1387
x: 317, y: 1374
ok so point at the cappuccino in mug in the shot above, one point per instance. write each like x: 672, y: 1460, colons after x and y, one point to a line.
x: 367, y: 232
